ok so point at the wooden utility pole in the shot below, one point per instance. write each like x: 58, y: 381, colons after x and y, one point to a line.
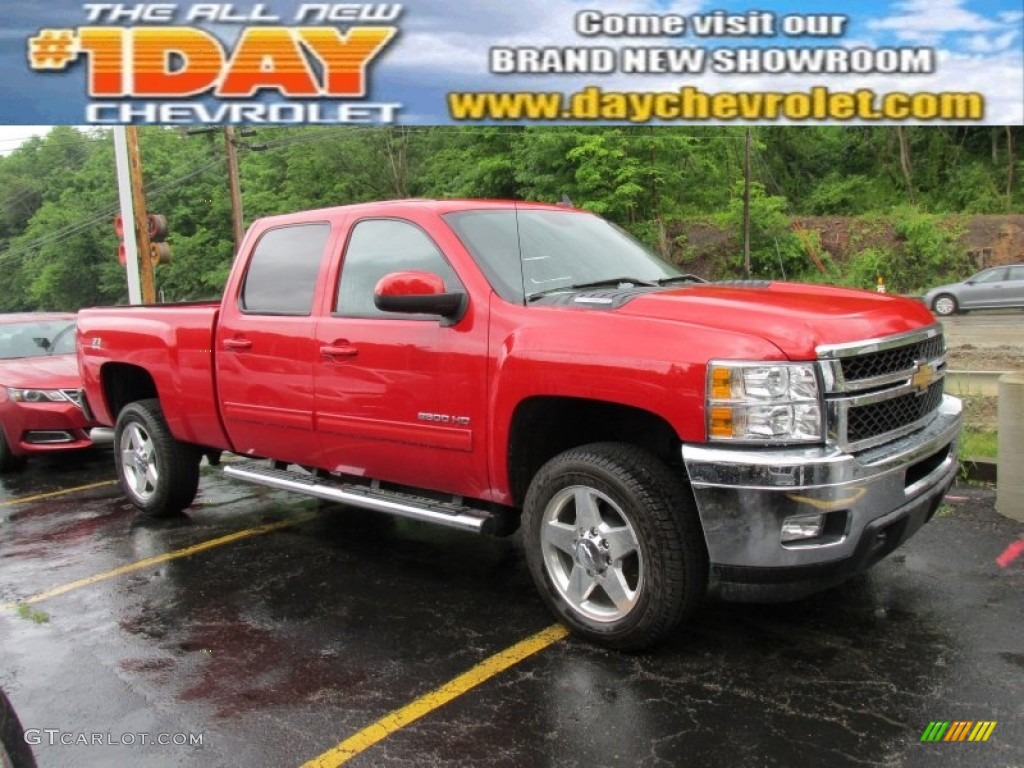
x: 235, y: 186
x: 746, y: 206
x: 141, y: 218
x: 905, y: 163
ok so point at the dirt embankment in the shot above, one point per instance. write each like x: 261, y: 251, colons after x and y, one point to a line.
x: 967, y: 357
x: 987, y: 240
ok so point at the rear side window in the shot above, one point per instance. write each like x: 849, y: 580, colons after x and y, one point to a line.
x: 1016, y: 273
x: 282, y: 272
x: 380, y: 246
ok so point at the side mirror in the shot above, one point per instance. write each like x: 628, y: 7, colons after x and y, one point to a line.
x: 418, y: 293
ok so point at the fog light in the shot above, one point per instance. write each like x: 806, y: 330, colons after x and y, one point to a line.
x: 802, y: 527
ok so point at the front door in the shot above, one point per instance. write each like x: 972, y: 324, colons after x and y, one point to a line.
x: 400, y: 398
x: 984, y: 290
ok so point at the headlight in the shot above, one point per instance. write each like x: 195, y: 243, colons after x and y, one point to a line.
x: 763, y: 402
x: 37, y: 395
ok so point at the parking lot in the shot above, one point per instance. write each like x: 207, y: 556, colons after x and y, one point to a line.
x: 276, y: 631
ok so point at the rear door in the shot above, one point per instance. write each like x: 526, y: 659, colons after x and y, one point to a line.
x: 1013, y: 292
x: 266, y: 346
x: 400, y: 397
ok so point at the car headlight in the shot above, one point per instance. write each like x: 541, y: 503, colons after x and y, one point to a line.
x: 37, y: 395
x: 764, y: 402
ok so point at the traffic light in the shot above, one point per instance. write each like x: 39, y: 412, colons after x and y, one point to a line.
x: 156, y: 228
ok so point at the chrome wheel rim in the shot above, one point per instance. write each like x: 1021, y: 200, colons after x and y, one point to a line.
x: 592, y: 554
x: 138, y: 462
x: 945, y: 306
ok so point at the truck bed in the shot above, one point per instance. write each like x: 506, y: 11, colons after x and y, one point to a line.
x: 171, y: 344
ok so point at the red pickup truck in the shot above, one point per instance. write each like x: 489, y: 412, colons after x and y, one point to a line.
x: 481, y: 364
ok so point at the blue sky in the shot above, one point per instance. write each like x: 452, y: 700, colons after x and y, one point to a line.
x: 443, y: 46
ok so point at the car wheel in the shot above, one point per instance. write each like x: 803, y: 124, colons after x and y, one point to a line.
x: 614, y: 545
x: 8, y: 461
x: 945, y: 305
x: 159, y: 474
x: 14, y: 751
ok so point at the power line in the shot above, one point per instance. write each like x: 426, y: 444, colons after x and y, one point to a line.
x: 104, y: 213
x: 49, y: 140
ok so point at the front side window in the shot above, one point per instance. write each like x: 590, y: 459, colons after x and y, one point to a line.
x: 990, y: 276
x: 378, y: 247
x: 281, y: 279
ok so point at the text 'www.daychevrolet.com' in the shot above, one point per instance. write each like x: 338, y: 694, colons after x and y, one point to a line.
x: 694, y: 104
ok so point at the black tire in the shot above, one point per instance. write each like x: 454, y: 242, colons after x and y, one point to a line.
x: 945, y: 305
x: 14, y: 751
x: 649, y: 562
x: 143, y: 442
x: 8, y: 461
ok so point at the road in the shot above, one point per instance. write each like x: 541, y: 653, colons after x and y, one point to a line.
x: 277, y: 628
x: 985, y: 329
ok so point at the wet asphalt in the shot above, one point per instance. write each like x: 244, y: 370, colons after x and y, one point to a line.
x: 277, y: 646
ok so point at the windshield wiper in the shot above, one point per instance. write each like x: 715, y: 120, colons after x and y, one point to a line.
x: 611, y: 281
x: 681, y: 279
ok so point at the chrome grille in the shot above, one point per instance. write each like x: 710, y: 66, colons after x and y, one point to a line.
x: 868, y: 421
x: 877, y: 391
x: 74, y: 395
x: 890, y: 361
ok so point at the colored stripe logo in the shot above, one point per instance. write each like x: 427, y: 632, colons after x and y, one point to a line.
x: 958, y: 730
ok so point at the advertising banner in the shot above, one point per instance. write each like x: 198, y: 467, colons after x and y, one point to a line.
x: 480, y: 62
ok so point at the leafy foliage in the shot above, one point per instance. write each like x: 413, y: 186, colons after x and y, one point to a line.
x: 58, y: 193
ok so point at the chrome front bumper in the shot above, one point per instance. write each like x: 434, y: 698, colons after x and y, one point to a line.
x: 873, y: 501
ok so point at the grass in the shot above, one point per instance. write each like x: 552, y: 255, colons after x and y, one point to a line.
x: 979, y: 443
x: 25, y: 611
x: 979, y: 438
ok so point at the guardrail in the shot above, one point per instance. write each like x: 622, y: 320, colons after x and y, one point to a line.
x: 974, y: 382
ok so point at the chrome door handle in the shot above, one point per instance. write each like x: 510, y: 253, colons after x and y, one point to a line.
x: 339, y: 350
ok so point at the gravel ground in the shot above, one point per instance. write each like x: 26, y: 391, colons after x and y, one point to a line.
x: 967, y: 357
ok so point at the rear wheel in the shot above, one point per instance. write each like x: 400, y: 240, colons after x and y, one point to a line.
x: 614, y: 545
x: 159, y: 474
x: 945, y: 305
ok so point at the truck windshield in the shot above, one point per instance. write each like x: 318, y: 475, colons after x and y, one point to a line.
x: 529, y: 253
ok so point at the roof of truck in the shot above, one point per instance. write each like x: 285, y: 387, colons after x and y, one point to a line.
x: 437, y: 206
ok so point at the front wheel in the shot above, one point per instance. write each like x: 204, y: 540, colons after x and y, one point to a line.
x: 945, y: 305
x: 159, y: 474
x: 614, y: 545
x: 8, y: 461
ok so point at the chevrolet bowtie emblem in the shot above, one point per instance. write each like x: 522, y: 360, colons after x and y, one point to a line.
x: 924, y: 374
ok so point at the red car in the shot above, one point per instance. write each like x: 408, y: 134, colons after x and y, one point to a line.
x: 40, y: 388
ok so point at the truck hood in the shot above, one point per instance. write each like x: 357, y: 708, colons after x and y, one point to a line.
x: 796, y: 318
x: 56, y: 372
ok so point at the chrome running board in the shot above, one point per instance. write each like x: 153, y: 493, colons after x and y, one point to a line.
x: 399, y: 504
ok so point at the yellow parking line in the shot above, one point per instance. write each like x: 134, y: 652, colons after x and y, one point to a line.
x: 51, y: 494
x: 437, y: 698
x: 140, y: 564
